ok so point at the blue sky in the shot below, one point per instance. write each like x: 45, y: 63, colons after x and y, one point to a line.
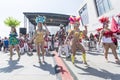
x: 15, y: 8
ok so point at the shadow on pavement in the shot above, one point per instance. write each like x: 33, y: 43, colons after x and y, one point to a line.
x: 118, y: 64
x: 12, y: 65
x: 78, y: 61
x: 95, y: 53
x: 29, y: 54
x: 99, y: 73
x: 46, y: 67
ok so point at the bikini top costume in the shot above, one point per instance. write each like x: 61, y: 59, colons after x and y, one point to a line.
x: 78, y: 35
x: 108, y: 34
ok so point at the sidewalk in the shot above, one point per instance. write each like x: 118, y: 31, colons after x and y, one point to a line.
x: 27, y: 68
x: 97, y: 68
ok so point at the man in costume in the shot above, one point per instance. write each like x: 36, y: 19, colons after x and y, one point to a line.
x: 61, y: 38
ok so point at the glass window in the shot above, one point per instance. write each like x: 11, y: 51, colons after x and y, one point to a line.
x: 84, y: 15
x: 102, y: 6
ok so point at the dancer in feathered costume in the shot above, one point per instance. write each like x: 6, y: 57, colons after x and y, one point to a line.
x: 39, y: 36
x: 13, y: 41
x: 76, y: 38
x: 106, y: 37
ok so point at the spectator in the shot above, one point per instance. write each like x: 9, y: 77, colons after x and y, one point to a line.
x: 5, y: 44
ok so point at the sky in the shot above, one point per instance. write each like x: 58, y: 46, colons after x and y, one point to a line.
x: 15, y: 8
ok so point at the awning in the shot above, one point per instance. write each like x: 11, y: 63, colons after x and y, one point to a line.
x: 52, y: 19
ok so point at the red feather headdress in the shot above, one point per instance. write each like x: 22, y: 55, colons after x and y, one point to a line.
x: 74, y: 19
x: 104, y: 20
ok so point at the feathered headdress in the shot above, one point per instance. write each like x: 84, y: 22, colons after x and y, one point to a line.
x: 40, y: 19
x: 74, y: 19
x: 104, y: 20
x: 12, y: 22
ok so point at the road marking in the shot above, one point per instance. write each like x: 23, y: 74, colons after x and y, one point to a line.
x: 62, y: 69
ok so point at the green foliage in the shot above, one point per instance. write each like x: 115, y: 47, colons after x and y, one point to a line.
x: 12, y: 22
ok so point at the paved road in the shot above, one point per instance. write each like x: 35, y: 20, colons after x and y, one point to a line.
x: 97, y: 68
x: 27, y: 68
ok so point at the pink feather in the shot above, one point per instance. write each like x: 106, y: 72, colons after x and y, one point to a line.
x: 74, y: 19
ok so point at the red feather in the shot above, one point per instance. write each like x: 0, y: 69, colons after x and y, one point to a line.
x: 71, y: 19
x: 74, y: 19
x: 104, y: 19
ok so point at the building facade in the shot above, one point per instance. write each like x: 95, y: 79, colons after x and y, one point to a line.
x: 91, y: 10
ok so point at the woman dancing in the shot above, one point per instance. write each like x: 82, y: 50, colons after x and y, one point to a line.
x: 39, y: 36
x: 75, y: 41
x: 13, y: 42
x: 106, y: 37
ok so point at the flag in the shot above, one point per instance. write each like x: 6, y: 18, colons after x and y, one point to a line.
x: 114, y: 25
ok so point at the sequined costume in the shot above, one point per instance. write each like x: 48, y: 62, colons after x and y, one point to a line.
x: 39, y: 37
x: 12, y: 39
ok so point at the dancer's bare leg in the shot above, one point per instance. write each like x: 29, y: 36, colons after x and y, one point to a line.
x: 113, y: 47
x: 38, y: 51
x: 106, y: 48
x: 11, y: 52
x: 73, y: 49
x: 17, y: 49
x: 43, y: 50
x: 83, y: 53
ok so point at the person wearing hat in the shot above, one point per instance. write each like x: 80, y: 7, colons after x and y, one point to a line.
x: 76, y: 34
x: 39, y: 36
x: 61, y: 38
x: 106, y: 38
x: 61, y: 34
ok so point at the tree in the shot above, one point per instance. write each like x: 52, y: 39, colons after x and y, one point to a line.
x: 12, y: 22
